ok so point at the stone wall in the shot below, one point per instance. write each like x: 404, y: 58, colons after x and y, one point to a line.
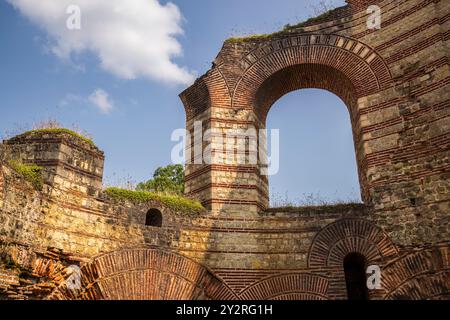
x: 395, y: 84
x: 296, y: 253
x: 71, y: 163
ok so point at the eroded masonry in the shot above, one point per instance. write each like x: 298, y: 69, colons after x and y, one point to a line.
x: 395, y: 82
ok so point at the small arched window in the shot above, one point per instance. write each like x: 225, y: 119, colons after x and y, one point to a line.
x: 355, y: 276
x: 153, y: 218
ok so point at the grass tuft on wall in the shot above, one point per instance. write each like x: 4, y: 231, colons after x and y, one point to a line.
x: 59, y: 130
x: 173, y: 202
x: 326, y: 16
x: 30, y: 173
x: 324, y: 208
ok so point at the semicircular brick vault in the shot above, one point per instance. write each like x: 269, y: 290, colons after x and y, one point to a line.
x: 145, y: 274
x: 395, y: 82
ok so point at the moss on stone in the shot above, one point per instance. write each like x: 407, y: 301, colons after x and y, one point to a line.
x: 321, y: 18
x: 173, y: 202
x: 31, y: 173
x: 253, y: 37
x: 57, y: 131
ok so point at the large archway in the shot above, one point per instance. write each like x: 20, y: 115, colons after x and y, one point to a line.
x: 316, y: 152
x: 145, y: 274
x: 238, y: 93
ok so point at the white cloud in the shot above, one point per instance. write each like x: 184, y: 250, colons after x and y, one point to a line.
x: 100, y: 99
x: 132, y: 38
x: 69, y: 99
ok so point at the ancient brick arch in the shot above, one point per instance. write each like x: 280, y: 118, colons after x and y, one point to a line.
x: 423, y: 287
x: 142, y: 210
x: 419, y: 275
x: 364, y: 72
x: 293, y: 286
x: 303, y: 76
x: 334, y: 242
x: 146, y: 274
x: 395, y: 82
x: 245, y: 82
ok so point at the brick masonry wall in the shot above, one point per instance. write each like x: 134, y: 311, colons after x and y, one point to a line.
x: 395, y: 84
x: 69, y: 162
x: 242, y: 256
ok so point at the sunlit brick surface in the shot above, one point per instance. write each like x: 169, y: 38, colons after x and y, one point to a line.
x: 395, y: 82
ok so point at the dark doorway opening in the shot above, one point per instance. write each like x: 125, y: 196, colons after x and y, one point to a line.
x: 153, y: 218
x: 355, y: 276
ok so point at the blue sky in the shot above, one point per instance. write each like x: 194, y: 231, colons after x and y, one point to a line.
x: 135, y: 119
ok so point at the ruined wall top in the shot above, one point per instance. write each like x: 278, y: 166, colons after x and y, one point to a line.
x: 362, y: 3
x: 55, y: 135
x: 69, y: 160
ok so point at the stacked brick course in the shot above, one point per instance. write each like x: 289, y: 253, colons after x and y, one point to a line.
x: 395, y: 82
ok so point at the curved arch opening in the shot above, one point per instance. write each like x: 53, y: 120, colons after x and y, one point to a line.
x: 328, y: 148
x: 322, y: 153
x: 304, y: 76
x: 317, y: 162
x: 153, y: 218
x: 355, y: 276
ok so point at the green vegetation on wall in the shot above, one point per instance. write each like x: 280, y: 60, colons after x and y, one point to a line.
x: 169, y: 179
x: 176, y: 203
x: 287, y: 28
x: 31, y: 173
x: 320, y: 18
x: 58, y: 130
